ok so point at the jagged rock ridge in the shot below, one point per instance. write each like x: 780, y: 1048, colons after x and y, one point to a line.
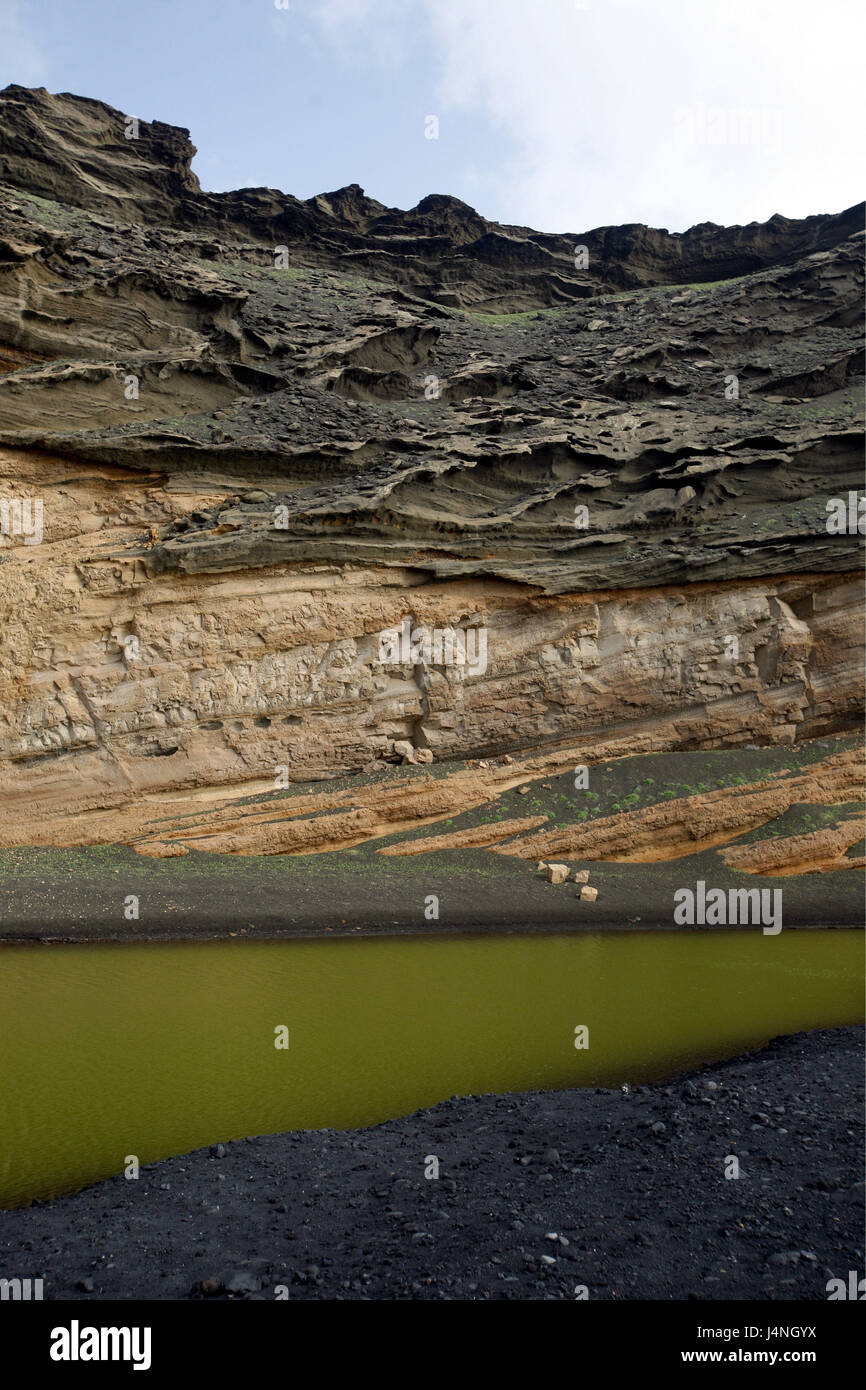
x: 78, y: 153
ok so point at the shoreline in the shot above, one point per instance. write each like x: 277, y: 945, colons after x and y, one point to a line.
x: 630, y: 1182
x: 171, y: 934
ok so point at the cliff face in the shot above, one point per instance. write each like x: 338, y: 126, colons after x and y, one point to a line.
x: 260, y: 432
x: 86, y: 155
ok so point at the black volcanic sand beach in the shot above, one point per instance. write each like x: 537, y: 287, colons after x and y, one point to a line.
x: 79, y: 894
x: 623, y: 1193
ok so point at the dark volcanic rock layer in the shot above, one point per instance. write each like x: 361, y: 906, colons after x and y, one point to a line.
x: 263, y: 430
x: 85, y: 154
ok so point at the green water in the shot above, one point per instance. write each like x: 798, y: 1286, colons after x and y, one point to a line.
x: 154, y: 1050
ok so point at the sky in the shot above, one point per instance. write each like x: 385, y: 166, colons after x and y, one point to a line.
x: 562, y: 115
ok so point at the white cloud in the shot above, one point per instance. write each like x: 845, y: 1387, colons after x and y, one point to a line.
x: 592, y: 95
x: 600, y: 111
x: 22, y: 59
x: 372, y: 33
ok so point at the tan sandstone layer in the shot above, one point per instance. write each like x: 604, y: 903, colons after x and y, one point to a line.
x: 674, y: 829
x: 237, y: 675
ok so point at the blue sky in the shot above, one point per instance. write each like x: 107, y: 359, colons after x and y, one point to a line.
x: 557, y: 114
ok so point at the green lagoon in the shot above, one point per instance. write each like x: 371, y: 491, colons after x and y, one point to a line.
x: 152, y: 1050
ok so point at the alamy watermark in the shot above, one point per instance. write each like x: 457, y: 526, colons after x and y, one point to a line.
x: 438, y: 646
x: 854, y: 1289
x: 21, y: 518
x: 720, y: 125
x: 714, y: 907
x: 77, y: 1343
x: 20, y: 1290
x: 846, y: 516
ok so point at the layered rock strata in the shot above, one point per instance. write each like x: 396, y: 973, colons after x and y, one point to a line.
x: 242, y: 436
